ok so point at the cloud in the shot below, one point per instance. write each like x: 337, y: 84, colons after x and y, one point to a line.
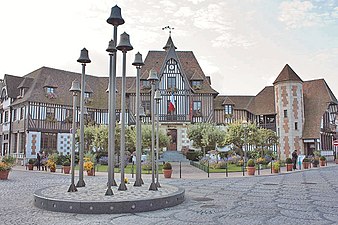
x: 196, y: 1
x: 296, y: 14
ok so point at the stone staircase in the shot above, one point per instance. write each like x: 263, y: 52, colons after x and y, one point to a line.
x: 173, y: 156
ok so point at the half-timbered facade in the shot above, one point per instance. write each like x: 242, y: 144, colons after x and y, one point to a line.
x: 36, y: 109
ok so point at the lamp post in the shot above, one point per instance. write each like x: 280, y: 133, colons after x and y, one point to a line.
x: 123, y: 46
x: 115, y: 19
x: 244, y: 125
x: 83, y: 60
x: 157, y: 98
x: 112, y: 118
x: 138, y: 62
x: 75, y: 89
x: 152, y: 78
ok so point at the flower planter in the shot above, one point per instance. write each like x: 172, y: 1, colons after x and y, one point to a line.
x: 90, y: 172
x: 306, y: 165
x: 4, y: 175
x: 52, y: 170
x: 336, y: 161
x: 251, y: 170
x: 275, y: 171
x: 289, y: 167
x: 167, y: 173
x: 322, y: 162
x: 30, y: 166
x: 314, y: 164
x: 66, y: 169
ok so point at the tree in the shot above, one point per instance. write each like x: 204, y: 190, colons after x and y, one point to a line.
x: 206, y: 136
x: 265, y: 139
x: 146, y: 137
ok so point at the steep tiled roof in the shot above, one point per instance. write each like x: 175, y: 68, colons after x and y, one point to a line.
x: 317, y: 97
x: 287, y: 74
x: 189, y: 64
x: 239, y: 102
x: 264, y: 102
x: 26, y: 83
x: 169, y: 44
x: 12, y: 83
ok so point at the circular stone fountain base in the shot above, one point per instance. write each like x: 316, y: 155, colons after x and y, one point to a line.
x: 92, y: 199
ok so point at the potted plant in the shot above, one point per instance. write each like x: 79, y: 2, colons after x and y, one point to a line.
x: 66, y: 167
x: 6, y: 165
x: 167, y: 170
x: 322, y: 160
x: 88, y: 165
x: 306, y: 163
x: 31, y: 163
x: 275, y: 167
x: 315, y: 162
x: 251, y: 167
x: 289, y: 164
x: 51, y: 165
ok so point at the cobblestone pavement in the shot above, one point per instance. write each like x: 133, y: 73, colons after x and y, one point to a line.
x: 302, y: 197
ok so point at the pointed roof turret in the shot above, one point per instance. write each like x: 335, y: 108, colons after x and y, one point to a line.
x: 287, y: 74
x: 169, y: 44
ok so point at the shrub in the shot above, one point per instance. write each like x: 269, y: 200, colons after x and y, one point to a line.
x: 66, y: 163
x: 288, y: 161
x: 322, y: 158
x: 306, y: 160
x: 276, y: 165
x: 240, y: 162
x: 9, y: 160
x: 221, y: 165
x: 251, y: 163
x: 146, y: 165
x: 31, y: 161
x: 167, y: 166
x: 193, y: 155
x: 262, y: 161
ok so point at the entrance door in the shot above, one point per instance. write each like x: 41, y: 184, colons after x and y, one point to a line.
x: 172, y: 133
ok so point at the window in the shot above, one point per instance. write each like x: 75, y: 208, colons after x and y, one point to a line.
x: 145, y: 84
x: 197, y: 106
x: 296, y: 125
x: 285, y: 113
x: 50, y: 90
x: 196, y: 84
x: 228, y: 109
x: 87, y: 95
x: 50, y: 113
x: 22, y: 113
x: 171, y: 82
x: 6, y: 117
x: 147, y: 107
x: 48, y: 141
x: 14, y: 114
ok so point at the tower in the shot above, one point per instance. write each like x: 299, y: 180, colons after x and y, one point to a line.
x: 289, y: 106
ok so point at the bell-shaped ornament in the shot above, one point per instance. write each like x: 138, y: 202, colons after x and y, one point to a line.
x: 115, y: 18
x: 142, y: 113
x: 152, y: 75
x: 138, y: 60
x: 124, y: 44
x: 84, y: 58
x: 111, y: 47
x: 75, y: 87
x: 157, y: 96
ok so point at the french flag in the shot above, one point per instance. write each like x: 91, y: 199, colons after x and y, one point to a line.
x: 171, y: 107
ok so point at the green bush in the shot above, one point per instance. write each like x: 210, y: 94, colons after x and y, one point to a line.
x: 276, y: 165
x: 288, y: 161
x: 306, y: 159
x: 193, y: 155
x: 9, y: 160
x: 251, y: 163
x: 322, y: 158
x: 31, y: 161
x: 146, y: 166
x: 167, y: 166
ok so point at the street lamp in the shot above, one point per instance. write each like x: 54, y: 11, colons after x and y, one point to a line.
x: 115, y: 19
x: 138, y: 62
x: 75, y: 89
x: 152, y: 79
x: 84, y: 58
x: 244, y: 125
x: 123, y: 46
x: 157, y: 98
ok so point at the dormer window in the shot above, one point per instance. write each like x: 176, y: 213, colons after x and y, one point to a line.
x: 145, y: 84
x: 171, y: 82
x: 88, y: 97
x: 50, y: 92
x: 196, y: 84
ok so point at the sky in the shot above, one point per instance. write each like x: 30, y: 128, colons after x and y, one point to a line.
x: 242, y: 45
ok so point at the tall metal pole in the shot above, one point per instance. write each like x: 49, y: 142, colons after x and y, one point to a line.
x: 138, y: 63
x: 81, y: 182
x: 123, y: 186
x: 157, y: 139
x: 153, y: 186
x: 75, y: 89
x: 114, y: 19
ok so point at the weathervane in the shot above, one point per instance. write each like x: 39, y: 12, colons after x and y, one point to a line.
x: 168, y: 28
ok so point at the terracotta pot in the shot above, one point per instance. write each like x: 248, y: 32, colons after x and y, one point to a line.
x: 251, y: 170
x: 167, y: 173
x: 30, y: 166
x: 90, y: 172
x: 4, y: 175
x: 66, y: 169
x: 322, y: 162
x: 336, y: 161
x: 275, y: 171
x: 306, y: 165
x: 52, y: 170
x: 289, y: 167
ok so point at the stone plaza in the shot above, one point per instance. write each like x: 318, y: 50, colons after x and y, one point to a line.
x: 299, y: 197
